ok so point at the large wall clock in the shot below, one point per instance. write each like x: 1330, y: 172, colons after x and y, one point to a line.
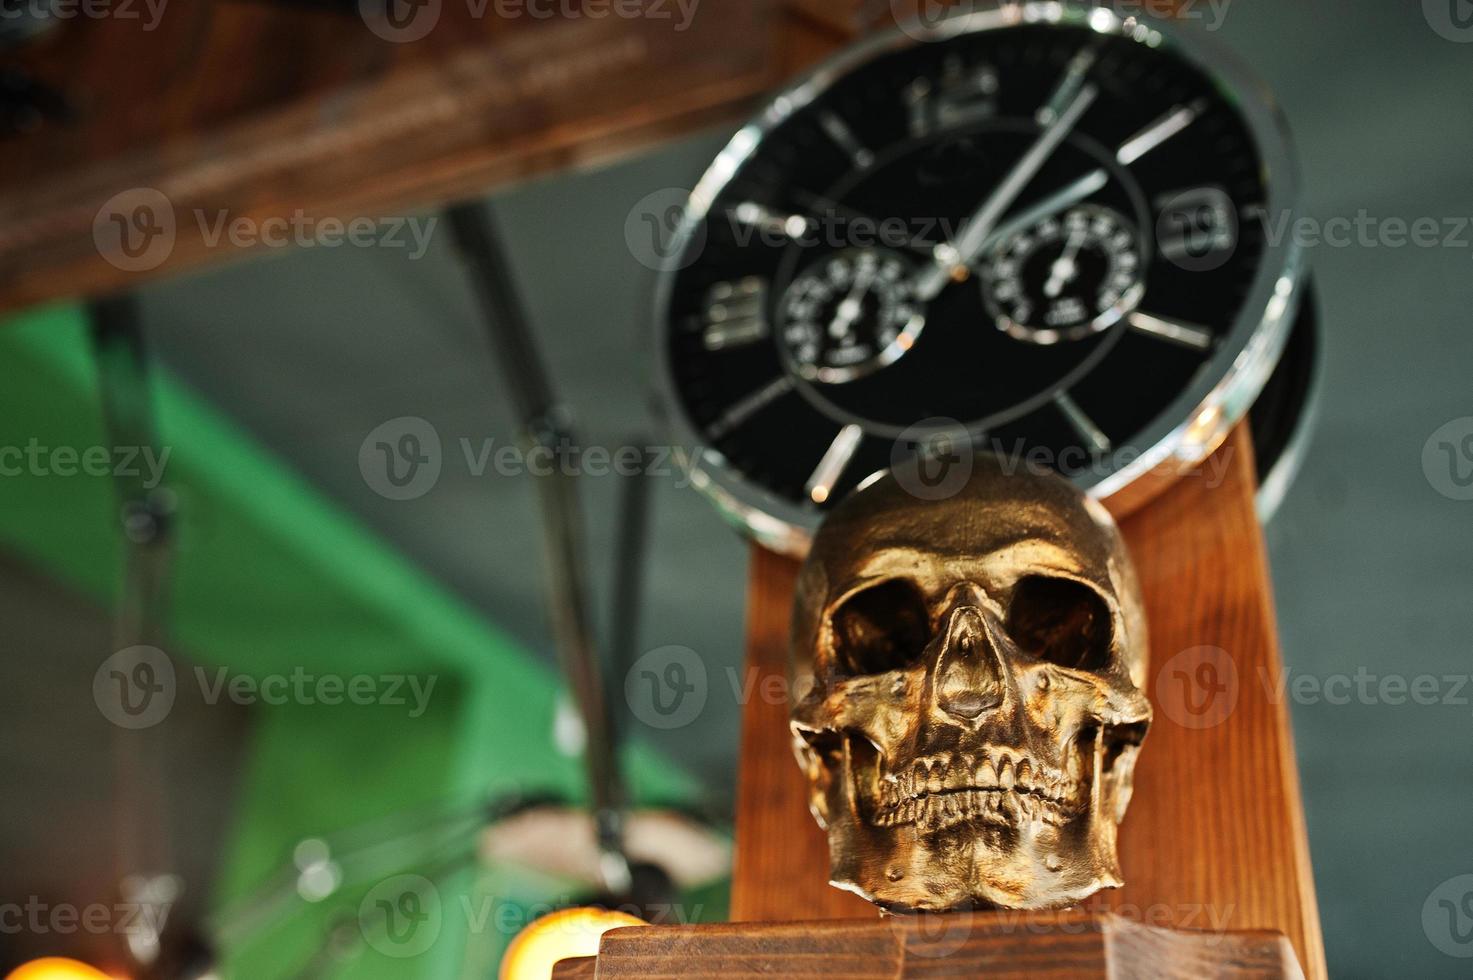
x: 1038, y: 228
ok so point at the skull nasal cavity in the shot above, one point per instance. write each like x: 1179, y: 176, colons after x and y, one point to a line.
x: 969, y: 672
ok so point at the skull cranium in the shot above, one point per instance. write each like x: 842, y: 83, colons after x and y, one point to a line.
x: 971, y: 673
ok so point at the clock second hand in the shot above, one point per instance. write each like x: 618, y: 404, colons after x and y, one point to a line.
x: 978, y: 228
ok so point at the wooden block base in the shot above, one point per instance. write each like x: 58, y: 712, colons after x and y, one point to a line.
x: 1075, y: 946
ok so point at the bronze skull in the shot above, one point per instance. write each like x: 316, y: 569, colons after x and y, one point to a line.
x: 969, y: 674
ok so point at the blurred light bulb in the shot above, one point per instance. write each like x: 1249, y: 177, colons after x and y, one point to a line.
x: 559, y: 936
x: 56, y: 968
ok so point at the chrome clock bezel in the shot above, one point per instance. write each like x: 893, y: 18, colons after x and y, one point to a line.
x: 1195, y: 424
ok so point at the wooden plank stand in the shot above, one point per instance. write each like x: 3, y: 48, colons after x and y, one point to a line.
x: 1214, y: 848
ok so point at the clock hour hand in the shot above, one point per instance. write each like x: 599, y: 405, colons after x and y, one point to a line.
x: 954, y: 257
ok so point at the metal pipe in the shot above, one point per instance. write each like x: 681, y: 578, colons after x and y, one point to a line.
x: 546, y: 426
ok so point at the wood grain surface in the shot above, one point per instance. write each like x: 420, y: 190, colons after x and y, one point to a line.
x: 1215, y: 838
x: 1054, y: 946
x: 259, y: 110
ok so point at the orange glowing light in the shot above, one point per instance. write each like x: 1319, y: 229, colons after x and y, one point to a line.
x: 57, y: 968
x: 559, y: 936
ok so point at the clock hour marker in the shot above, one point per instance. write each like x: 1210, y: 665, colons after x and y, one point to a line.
x: 1158, y: 132
x: 831, y: 467
x: 765, y: 219
x: 1082, y: 423
x: 750, y: 406
x: 1185, y: 334
x: 962, y: 95
x: 838, y: 131
x: 1068, y: 86
x: 735, y: 313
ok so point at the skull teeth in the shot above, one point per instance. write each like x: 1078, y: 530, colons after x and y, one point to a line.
x: 932, y: 813
x: 942, y: 790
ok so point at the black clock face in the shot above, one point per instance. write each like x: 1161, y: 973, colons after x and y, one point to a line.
x: 1039, y: 233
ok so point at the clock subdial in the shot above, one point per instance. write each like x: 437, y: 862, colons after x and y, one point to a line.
x: 848, y: 315
x: 1066, y: 277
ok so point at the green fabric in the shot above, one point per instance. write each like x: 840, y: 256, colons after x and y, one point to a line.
x: 271, y: 576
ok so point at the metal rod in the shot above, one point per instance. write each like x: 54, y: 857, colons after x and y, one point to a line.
x: 146, y: 514
x: 545, y: 425
x: 630, y: 551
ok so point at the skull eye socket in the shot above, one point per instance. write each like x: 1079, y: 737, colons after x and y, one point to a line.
x: 1062, y: 622
x: 881, y: 628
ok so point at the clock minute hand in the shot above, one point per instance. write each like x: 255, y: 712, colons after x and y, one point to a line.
x: 1066, y: 196
x: 974, y: 234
